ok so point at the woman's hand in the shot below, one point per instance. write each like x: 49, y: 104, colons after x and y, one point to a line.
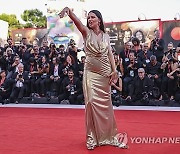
x: 66, y: 10
x: 113, y: 77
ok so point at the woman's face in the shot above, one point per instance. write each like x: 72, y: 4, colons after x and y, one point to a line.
x: 93, y: 20
x: 3, y: 74
x: 116, y: 58
x: 139, y: 35
x: 68, y: 59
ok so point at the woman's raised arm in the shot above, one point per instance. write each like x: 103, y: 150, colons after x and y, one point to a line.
x: 83, y: 29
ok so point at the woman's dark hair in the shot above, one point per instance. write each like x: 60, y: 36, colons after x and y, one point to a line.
x: 98, y: 14
x: 72, y: 58
x: 143, y: 37
x: 135, y: 39
x: 2, y: 71
x: 52, y: 45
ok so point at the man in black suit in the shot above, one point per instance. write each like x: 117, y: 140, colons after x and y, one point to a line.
x: 140, y: 87
x: 71, y: 88
x: 157, y: 46
x: 154, y: 71
x: 56, y: 76
x: 20, y: 81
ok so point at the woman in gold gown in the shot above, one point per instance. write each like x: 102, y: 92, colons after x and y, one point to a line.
x: 99, y: 73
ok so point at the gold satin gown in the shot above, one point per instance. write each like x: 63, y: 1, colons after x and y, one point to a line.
x: 101, y: 127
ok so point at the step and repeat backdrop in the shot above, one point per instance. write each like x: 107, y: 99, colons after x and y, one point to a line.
x: 61, y: 31
x: 122, y: 32
x: 171, y: 32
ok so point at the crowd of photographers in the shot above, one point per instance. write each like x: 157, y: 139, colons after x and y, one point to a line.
x: 148, y: 72
x: 47, y: 71
x: 145, y: 72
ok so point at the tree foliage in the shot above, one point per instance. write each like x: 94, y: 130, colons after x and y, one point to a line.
x: 34, y: 18
x: 11, y: 19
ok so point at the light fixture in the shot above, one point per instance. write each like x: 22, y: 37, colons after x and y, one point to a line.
x: 141, y: 16
x: 177, y: 16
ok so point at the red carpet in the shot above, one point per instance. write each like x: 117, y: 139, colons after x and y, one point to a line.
x: 62, y: 131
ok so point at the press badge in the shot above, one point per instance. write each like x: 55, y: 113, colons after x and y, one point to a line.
x: 114, y: 91
x: 147, y: 60
x: 126, y: 59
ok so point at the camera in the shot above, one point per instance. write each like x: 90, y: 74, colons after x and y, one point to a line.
x: 44, y: 75
x: 72, y: 43
x: 72, y: 89
x: 65, y: 69
x: 22, y: 46
x: 55, y: 78
x: 61, y: 52
x: 44, y: 65
x: 1, y: 88
x: 20, y: 76
x: 152, y: 76
x: 53, y: 46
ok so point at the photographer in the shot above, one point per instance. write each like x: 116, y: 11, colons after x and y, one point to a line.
x: 69, y: 63
x: 116, y: 86
x: 130, y: 71
x: 171, y: 82
x: 169, y: 54
x: 157, y: 46
x: 62, y: 54
x: 169, y: 65
x: 14, y: 67
x: 124, y: 54
x: 116, y: 91
x: 24, y: 54
x: 177, y: 53
x: 52, y: 51
x: 140, y: 88
x: 71, y: 88
x: 20, y: 80
x: 35, y: 53
x: 5, y: 89
x: 25, y: 43
x: 72, y: 50
x: 144, y: 56
x: 136, y: 46
x: 43, y: 70
x: 154, y: 72
x: 81, y: 67
x: 6, y: 59
x: 56, y: 76
x: 177, y: 94
x: 10, y: 45
x: 44, y: 50
x: 33, y: 75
